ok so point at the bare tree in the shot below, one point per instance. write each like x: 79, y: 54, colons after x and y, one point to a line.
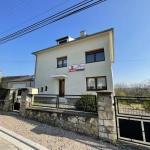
x: 137, y: 89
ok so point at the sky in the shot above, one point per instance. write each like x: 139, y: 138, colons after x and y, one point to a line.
x: 129, y: 18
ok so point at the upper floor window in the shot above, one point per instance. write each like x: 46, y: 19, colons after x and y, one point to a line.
x: 95, y: 56
x: 61, y: 62
x: 96, y: 83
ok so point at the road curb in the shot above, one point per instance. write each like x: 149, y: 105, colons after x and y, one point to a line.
x: 19, y: 141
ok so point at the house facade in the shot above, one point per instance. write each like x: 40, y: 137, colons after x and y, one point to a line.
x: 76, y: 66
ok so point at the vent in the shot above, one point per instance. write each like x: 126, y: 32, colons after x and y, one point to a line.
x: 83, y: 33
x: 64, y: 40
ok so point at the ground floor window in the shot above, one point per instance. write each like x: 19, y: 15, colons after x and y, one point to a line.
x: 96, y: 83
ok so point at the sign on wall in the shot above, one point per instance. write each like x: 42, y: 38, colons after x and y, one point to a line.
x: 74, y: 68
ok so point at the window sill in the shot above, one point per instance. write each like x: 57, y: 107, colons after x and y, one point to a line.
x: 60, y: 67
x: 95, y: 90
x: 94, y: 62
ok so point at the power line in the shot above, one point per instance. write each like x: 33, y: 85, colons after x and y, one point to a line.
x: 10, y: 9
x: 34, y: 61
x: 63, y: 14
x: 132, y: 60
x: 10, y: 61
x: 6, y: 4
x: 35, y: 17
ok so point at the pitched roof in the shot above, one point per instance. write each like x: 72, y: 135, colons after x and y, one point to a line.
x: 27, y: 78
x: 80, y: 38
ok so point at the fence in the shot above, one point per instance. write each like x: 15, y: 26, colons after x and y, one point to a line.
x: 133, y: 119
x: 73, y: 102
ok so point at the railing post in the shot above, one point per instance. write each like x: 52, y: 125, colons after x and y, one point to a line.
x: 57, y: 101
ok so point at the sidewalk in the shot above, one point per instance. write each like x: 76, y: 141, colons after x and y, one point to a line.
x: 5, y: 145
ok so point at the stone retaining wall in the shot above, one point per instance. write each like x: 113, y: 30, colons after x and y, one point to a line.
x: 1, y: 106
x: 85, y: 124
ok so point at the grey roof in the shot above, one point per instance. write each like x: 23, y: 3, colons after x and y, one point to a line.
x: 79, y: 38
x: 27, y: 78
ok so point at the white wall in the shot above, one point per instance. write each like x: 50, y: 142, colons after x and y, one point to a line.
x: 75, y: 83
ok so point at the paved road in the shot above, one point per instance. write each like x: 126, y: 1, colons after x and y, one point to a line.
x: 5, y: 145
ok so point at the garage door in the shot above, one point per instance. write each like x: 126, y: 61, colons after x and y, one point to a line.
x: 17, y: 85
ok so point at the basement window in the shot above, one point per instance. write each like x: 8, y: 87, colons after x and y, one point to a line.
x: 45, y: 88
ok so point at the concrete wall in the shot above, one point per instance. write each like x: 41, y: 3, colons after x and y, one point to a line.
x: 75, y: 83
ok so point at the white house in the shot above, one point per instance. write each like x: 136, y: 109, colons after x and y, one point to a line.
x: 76, y: 66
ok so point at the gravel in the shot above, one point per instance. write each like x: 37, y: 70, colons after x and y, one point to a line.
x: 51, y: 137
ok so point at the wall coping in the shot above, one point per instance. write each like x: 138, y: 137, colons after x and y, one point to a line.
x: 64, y: 111
x: 104, y: 91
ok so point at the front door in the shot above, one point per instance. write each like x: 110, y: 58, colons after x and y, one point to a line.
x: 61, y: 87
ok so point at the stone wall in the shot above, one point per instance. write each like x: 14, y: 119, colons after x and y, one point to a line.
x: 81, y: 122
x: 1, y: 105
x: 106, y: 114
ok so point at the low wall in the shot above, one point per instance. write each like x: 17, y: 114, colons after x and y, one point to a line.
x: 81, y: 122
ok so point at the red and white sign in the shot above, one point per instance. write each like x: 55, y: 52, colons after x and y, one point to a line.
x: 74, y: 68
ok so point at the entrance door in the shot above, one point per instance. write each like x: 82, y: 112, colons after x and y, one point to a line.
x: 61, y: 87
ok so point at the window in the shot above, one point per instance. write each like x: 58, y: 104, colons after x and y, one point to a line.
x: 96, y: 83
x: 95, y: 56
x: 61, y: 62
x: 45, y: 88
x: 41, y: 89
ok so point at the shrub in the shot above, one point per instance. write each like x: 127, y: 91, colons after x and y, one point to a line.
x: 87, y: 103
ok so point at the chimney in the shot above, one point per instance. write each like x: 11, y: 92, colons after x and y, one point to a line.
x: 83, y: 33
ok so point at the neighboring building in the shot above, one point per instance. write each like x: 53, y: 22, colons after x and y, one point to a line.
x: 0, y: 77
x: 6, y: 79
x: 27, y: 81
x: 76, y: 66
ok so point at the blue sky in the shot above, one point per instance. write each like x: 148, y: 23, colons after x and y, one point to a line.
x: 129, y: 18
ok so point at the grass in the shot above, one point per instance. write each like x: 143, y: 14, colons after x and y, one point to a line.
x: 37, y: 103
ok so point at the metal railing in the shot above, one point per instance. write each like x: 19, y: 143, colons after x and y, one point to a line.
x: 135, y: 106
x: 71, y: 102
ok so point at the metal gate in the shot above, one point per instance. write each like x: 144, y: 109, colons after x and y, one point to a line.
x: 133, y: 119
